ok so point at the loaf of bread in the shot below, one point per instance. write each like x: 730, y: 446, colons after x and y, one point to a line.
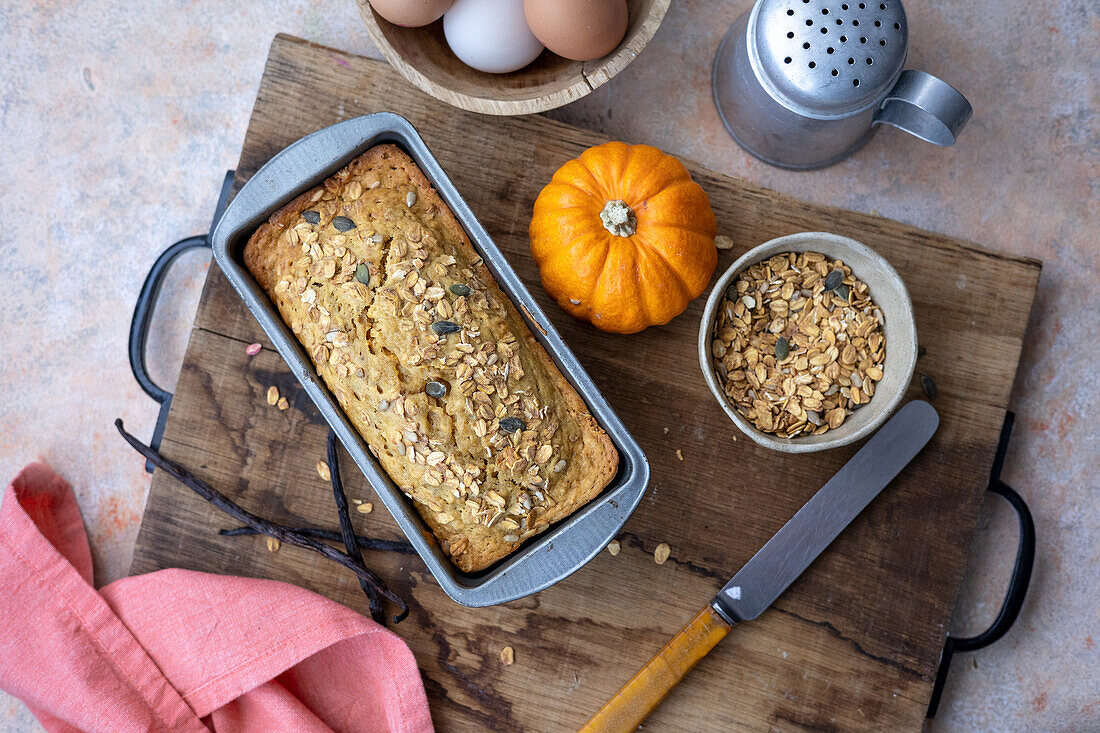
x: 430, y: 361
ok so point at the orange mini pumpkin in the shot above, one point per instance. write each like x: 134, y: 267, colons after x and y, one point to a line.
x: 623, y: 237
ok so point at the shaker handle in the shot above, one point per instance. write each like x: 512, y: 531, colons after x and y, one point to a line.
x: 926, y: 107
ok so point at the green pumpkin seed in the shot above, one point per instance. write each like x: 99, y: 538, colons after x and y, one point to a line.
x: 834, y: 278
x: 460, y: 289
x: 435, y: 389
x: 445, y: 327
x: 929, y: 386
x: 343, y: 224
x: 362, y: 274
x: 921, y: 351
x: 512, y: 424
x: 843, y: 292
x: 313, y: 217
x: 731, y: 292
x: 782, y: 348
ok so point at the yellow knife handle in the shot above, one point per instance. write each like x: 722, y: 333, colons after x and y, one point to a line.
x: 644, y: 692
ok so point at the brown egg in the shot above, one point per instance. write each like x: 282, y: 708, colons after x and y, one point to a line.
x: 411, y: 13
x: 581, y: 30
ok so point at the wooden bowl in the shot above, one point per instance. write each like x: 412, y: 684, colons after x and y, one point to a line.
x: 423, y: 57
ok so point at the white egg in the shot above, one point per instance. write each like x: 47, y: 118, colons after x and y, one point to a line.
x: 491, y: 35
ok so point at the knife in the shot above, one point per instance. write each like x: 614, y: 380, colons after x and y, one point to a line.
x: 775, y: 566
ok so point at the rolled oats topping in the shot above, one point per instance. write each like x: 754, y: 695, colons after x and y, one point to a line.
x: 433, y: 366
x: 798, y: 344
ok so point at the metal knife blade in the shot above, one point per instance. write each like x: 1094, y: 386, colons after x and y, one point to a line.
x: 798, y: 542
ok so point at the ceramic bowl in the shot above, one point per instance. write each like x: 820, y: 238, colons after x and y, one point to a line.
x: 889, y: 293
x: 423, y: 57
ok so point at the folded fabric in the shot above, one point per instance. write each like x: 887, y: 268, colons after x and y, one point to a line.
x: 177, y: 650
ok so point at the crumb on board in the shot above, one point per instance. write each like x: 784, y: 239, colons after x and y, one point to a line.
x: 273, y: 544
x: 365, y: 508
x: 283, y: 404
x: 272, y: 395
x: 661, y: 553
x: 323, y: 470
x: 507, y: 655
x: 613, y: 547
x: 679, y: 454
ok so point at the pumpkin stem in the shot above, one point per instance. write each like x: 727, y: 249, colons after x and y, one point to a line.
x: 618, y: 218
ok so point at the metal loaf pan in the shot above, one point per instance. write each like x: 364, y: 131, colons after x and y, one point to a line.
x: 543, y: 560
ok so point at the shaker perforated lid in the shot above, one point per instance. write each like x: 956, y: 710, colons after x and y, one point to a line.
x: 827, y: 58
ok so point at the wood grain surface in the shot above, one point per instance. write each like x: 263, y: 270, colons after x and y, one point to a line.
x: 853, y: 645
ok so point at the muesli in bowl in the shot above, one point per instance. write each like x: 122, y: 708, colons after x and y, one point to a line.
x: 798, y: 341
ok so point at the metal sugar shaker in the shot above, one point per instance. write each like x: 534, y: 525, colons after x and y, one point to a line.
x: 804, y: 83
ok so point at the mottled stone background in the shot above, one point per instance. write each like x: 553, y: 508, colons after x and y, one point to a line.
x: 118, y: 120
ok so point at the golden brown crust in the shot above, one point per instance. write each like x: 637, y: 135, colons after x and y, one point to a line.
x: 378, y: 347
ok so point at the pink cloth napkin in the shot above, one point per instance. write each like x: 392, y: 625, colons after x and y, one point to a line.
x: 177, y: 650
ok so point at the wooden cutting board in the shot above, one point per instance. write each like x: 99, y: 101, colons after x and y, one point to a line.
x: 854, y: 643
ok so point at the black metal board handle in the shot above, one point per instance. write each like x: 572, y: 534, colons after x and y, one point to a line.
x: 146, y: 306
x: 1017, y: 585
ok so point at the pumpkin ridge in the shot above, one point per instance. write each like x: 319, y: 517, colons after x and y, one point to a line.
x: 640, y: 304
x: 550, y: 198
x: 649, y: 224
x: 606, y: 168
x: 574, y: 173
x: 643, y: 209
x: 575, y: 187
x: 653, y: 182
x: 643, y: 244
x: 684, y: 247
x: 580, y: 210
x: 588, y: 298
x: 610, y: 271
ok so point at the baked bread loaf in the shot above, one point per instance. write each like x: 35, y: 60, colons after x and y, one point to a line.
x: 430, y: 361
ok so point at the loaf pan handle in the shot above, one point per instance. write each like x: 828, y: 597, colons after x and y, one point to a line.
x: 146, y: 306
x: 1017, y: 586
